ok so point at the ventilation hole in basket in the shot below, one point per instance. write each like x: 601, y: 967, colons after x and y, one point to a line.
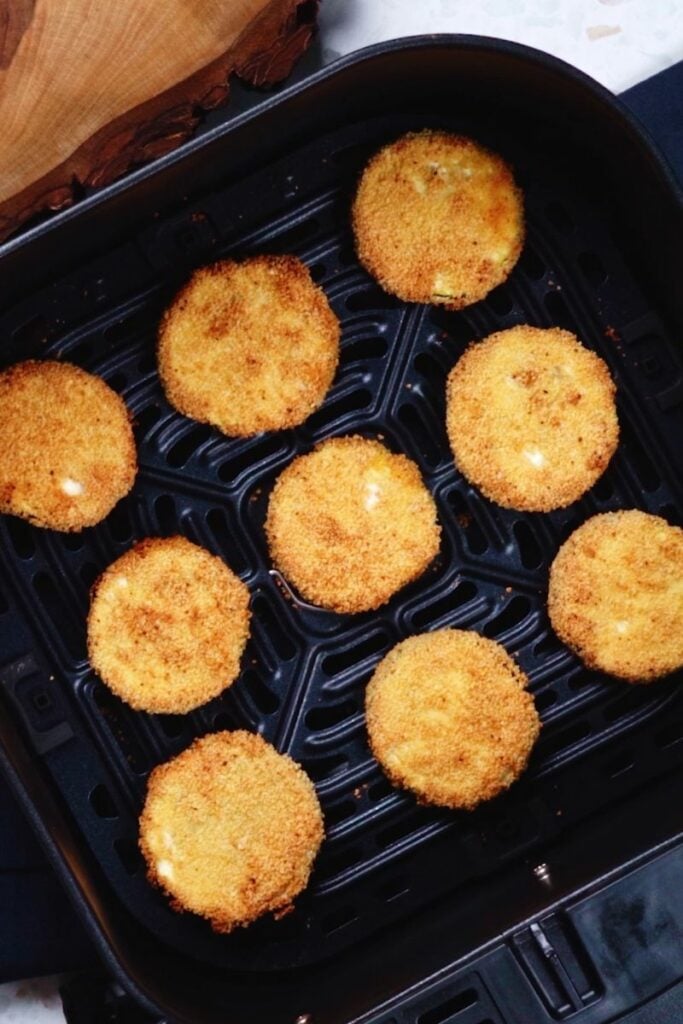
x: 638, y: 458
x: 118, y: 722
x: 338, y: 919
x: 581, y: 680
x: 53, y: 602
x: 73, y: 541
x: 379, y: 790
x: 370, y: 299
x: 320, y: 768
x: 592, y: 268
x: 340, y: 812
x: 147, y: 363
x: 548, y: 644
x: 250, y: 457
x: 500, y: 301
x: 265, y: 700
x: 82, y: 352
x: 513, y: 614
x: 556, y: 742
x: 118, y: 522
x: 619, y: 763
x: 632, y: 700
x: 292, y: 237
x: 452, y: 328
x: 145, y: 420
x: 559, y: 311
x: 172, y: 726
x: 399, y: 830
x: 129, y: 854
x: 333, y: 664
x: 394, y: 887
x: 545, y: 700
x: 474, y: 535
x: 224, y: 720
x: 102, y: 802
x: 321, y: 718
x: 670, y: 734
x: 335, y: 862
x: 420, y: 434
x: 183, y: 450
x: 4, y: 605
x: 338, y: 407
x: 431, y: 369
x: 461, y: 594
x: 22, y: 537
x: 317, y: 272
x: 117, y: 382
x: 529, y: 549
x: 668, y: 512
x: 135, y: 324
x: 89, y: 573
x: 531, y: 264
x: 217, y: 521
x: 604, y: 489
x: 31, y: 333
x: 364, y: 348
x: 346, y: 255
x: 164, y: 508
x: 559, y: 217
x: 273, y: 630
x: 457, y: 1003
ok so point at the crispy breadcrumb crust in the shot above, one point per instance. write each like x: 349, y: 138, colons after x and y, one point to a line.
x: 616, y: 595
x: 167, y: 626
x: 438, y: 218
x: 249, y: 346
x: 230, y: 829
x: 67, y: 452
x: 351, y: 523
x: 531, y: 417
x: 449, y: 717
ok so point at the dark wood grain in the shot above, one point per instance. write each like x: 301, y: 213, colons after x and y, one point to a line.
x: 91, y: 88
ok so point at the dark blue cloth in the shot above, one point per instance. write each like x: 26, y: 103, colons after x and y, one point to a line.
x: 658, y: 104
x: 39, y: 932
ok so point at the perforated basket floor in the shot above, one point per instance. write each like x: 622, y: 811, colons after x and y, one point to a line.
x: 305, y: 669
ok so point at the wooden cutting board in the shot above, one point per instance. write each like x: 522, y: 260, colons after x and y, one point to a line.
x: 90, y: 88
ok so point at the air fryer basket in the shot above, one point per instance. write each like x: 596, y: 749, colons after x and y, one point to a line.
x: 385, y: 858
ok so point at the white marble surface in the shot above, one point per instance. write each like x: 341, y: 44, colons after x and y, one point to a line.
x: 619, y: 42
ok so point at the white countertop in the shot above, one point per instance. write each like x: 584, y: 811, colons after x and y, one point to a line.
x: 619, y: 42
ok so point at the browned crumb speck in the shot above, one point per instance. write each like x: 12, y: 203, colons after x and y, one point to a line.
x: 438, y: 218
x: 249, y: 346
x: 67, y: 452
x: 230, y: 829
x: 616, y: 595
x: 531, y: 417
x: 168, y: 625
x: 351, y: 523
x: 449, y: 717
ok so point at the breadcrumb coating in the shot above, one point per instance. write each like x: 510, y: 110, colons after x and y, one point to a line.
x: 616, y: 595
x: 249, y: 346
x: 351, y: 523
x: 531, y: 417
x: 438, y: 218
x: 230, y: 829
x: 168, y: 624
x: 449, y: 717
x: 67, y: 452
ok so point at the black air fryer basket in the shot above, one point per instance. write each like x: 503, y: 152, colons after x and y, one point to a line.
x: 503, y: 914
